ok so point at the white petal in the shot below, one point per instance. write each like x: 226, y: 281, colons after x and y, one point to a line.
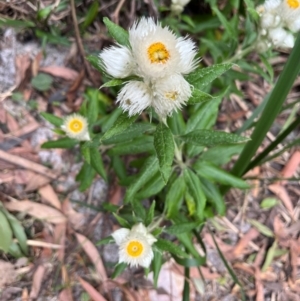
x: 187, y: 49
x: 294, y: 25
x: 151, y: 239
x: 135, y: 97
x: 117, y: 61
x: 139, y: 228
x: 120, y: 235
x: 170, y: 93
x: 281, y: 38
x: 146, y: 261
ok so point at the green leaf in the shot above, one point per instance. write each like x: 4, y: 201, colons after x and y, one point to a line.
x: 194, y: 185
x: 211, y: 138
x: 181, y: 228
x: 199, y: 96
x: 187, y: 241
x: 269, y: 203
x: 112, y: 83
x: 119, y: 269
x: 150, y: 214
x: 165, y: 245
x: 227, y: 25
x: 215, y: 174
x: 149, y: 168
x: 270, y: 256
x: 42, y: 82
x: 85, y: 176
x: 152, y: 187
x: 93, y: 105
x: 156, y: 264
x: 5, y: 233
x: 117, y: 32
x: 85, y: 151
x: 134, y: 131
x: 18, y: 231
x: 91, y: 14
x: 95, y: 62
x: 164, y: 147
x: 57, y: 121
x: 97, y: 163
x: 44, y: 12
x: 139, y: 210
x: 105, y: 241
x: 121, y: 221
x: 60, y: 143
x: 135, y: 146
x: 221, y: 154
x: 214, y: 196
x: 202, y: 77
x: 175, y: 196
x: 6, y: 22
x: 121, y: 124
x: 261, y: 228
x: 190, y: 262
x: 15, y: 251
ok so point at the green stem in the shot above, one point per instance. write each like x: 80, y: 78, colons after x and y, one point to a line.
x: 256, y: 161
x: 273, y: 107
x: 186, y: 289
x: 240, y: 54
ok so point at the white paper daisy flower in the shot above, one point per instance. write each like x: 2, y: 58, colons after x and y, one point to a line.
x: 135, y: 245
x: 117, y: 61
x: 165, y: 95
x: 158, y: 52
x: 290, y: 13
x: 76, y: 127
x: 177, y: 6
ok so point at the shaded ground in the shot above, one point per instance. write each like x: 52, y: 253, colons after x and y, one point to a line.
x: 63, y: 264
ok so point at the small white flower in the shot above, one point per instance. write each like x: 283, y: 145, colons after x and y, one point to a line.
x: 281, y: 38
x: 76, y: 127
x: 164, y: 95
x: 177, y: 6
x: 170, y: 93
x: 135, y: 245
x: 117, y: 61
x: 290, y: 13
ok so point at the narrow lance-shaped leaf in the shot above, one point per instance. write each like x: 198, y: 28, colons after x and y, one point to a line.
x: 199, y: 96
x: 112, y: 83
x: 216, y: 174
x: 5, y: 233
x: 149, y: 168
x: 211, y: 138
x: 93, y: 105
x: 175, y: 196
x: 65, y: 142
x: 117, y: 32
x: 164, y: 147
x: 166, y: 245
x: 202, y: 77
x: 194, y: 186
x: 57, y: 121
x: 97, y: 163
x: 121, y: 124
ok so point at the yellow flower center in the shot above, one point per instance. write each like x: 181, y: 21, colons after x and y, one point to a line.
x: 158, y: 53
x: 172, y: 95
x: 293, y: 3
x: 135, y: 248
x: 75, y: 125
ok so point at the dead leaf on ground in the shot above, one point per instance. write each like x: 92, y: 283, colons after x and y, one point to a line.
x: 22, y: 69
x: 259, y: 286
x: 294, y: 259
x: 60, y: 238
x: 93, y: 254
x: 12, y: 124
x: 35, y: 181
x: 37, y: 281
x: 49, y: 195
x: 65, y: 295
x: 291, y: 166
x: 243, y: 243
x: 75, y: 218
x: 8, y: 274
x: 91, y: 291
x: 62, y: 72
x: 282, y: 194
x: 39, y: 211
x: 36, y: 63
